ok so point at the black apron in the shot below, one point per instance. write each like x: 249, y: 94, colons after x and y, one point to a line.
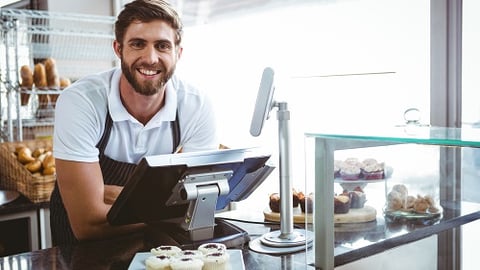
x: 114, y: 173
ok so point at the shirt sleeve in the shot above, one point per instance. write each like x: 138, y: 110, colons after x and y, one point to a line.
x: 77, y: 126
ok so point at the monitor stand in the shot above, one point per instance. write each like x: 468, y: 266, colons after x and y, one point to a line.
x: 171, y: 234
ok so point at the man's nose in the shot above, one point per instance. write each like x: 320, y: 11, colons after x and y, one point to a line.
x: 151, y: 54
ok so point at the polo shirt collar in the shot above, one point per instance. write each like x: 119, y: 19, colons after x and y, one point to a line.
x: 119, y: 113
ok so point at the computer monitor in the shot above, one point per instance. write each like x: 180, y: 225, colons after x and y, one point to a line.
x: 187, y: 188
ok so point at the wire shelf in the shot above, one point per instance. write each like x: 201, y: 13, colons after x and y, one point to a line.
x: 81, y: 44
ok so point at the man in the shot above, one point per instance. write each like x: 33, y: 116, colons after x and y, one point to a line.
x: 106, y: 123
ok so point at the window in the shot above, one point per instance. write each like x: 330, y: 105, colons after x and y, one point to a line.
x: 338, y: 63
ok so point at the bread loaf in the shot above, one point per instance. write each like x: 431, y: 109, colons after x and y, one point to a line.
x: 26, y: 74
x: 40, y: 76
x: 53, y: 80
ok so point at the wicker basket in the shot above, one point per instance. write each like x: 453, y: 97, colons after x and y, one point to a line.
x: 14, y: 176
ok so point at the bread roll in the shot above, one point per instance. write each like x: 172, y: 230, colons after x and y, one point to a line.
x: 26, y: 74
x: 34, y: 166
x: 53, y: 80
x: 49, y: 171
x: 24, y: 155
x: 38, y: 151
x: 48, y: 161
x: 64, y: 82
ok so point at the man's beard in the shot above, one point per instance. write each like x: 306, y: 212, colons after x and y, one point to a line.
x: 149, y: 87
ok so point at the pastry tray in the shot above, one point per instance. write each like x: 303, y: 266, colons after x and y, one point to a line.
x: 236, y: 260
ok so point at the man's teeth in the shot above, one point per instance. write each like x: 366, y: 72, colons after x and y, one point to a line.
x: 148, y: 72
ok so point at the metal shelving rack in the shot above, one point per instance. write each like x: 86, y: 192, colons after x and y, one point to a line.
x: 81, y: 44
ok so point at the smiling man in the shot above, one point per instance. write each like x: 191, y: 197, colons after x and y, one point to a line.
x: 106, y: 123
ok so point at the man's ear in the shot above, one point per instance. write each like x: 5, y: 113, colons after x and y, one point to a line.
x: 179, y: 52
x: 117, y: 47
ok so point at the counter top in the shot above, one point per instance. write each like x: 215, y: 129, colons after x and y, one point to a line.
x: 118, y: 254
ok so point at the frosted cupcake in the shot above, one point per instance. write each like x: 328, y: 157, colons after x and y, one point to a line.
x: 166, y: 250
x: 186, y: 263
x: 160, y: 262
x: 212, y: 247
x: 190, y: 254
x: 216, y: 261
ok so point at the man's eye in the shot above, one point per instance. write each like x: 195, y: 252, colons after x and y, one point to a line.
x: 163, y: 47
x: 137, y: 44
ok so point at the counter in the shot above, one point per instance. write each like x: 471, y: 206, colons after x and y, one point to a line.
x: 118, y: 253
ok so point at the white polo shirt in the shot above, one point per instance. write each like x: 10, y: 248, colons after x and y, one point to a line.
x: 81, y: 111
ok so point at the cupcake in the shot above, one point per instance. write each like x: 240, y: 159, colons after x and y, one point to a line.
x: 350, y: 172
x: 373, y: 171
x: 207, y: 248
x: 357, y: 198
x: 166, y: 250
x: 160, y: 262
x: 274, y: 202
x: 216, y: 261
x: 341, y: 204
x: 186, y: 263
x: 306, y: 203
x: 190, y: 253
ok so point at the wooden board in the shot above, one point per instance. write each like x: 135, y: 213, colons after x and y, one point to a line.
x: 364, y: 214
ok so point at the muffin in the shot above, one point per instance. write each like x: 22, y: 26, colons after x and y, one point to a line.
x: 186, y: 263
x: 160, y: 262
x: 166, y: 250
x: 207, y: 248
x: 190, y: 253
x: 373, y: 171
x: 216, y: 261
x: 306, y: 203
x: 274, y: 202
x: 341, y: 204
x: 350, y: 172
x: 357, y: 198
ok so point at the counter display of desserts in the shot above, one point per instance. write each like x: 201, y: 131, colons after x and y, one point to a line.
x: 402, y: 206
x: 353, y: 172
x: 349, y: 207
x: 208, y: 256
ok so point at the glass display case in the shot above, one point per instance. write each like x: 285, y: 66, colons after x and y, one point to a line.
x: 421, y: 189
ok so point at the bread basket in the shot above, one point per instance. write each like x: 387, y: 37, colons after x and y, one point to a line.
x: 14, y: 176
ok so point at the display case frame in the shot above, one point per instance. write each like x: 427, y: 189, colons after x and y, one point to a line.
x: 320, y: 148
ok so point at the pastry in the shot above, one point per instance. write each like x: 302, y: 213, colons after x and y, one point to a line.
x: 26, y: 74
x: 216, y: 261
x: 190, y: 253
x: 53, y: 80
x: 341, y: 204
x: 306, y: 203
x: 373, y: 171
x: 186, y: 263
x: 160, y: 262
x: 40, y: 81
x: 357, y: 198
x: 24, y: 155
x: 40, y: 76
x: 350, y: 172
x: 166, y: 250
x: 207, y: 248
x: 64, y: 82
x: 274, y: 202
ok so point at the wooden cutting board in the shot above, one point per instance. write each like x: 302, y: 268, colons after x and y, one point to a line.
x: 365, y: 214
